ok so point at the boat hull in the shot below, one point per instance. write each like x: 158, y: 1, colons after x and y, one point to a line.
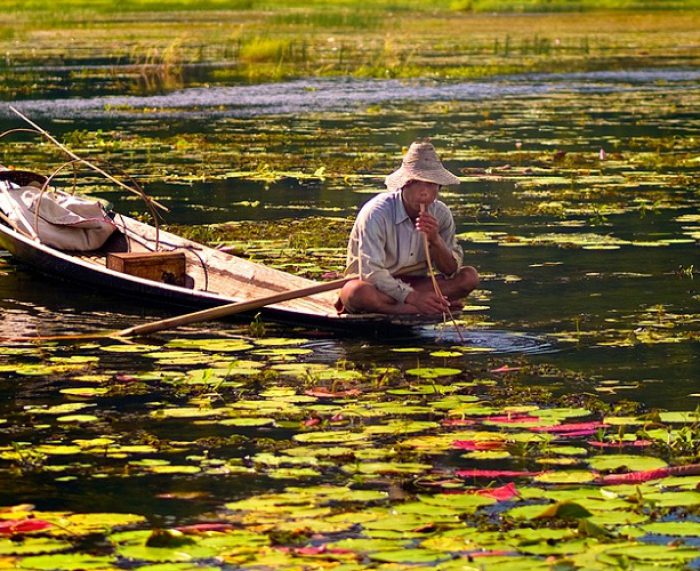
x: 73, y: 268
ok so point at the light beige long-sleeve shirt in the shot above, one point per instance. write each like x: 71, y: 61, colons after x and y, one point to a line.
x: 385, y: 240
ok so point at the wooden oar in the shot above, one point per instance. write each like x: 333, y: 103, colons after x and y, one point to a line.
x: 243, y: 306
x: 213, y: 313
x: 231, y: 308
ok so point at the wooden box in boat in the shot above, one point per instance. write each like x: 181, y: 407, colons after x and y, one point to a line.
x: 166, y: 267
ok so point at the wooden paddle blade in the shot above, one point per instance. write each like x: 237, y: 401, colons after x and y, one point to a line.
x: 232, y: 308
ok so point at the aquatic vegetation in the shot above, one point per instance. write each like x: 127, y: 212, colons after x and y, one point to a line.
x: 370, y: 480
x: 563, y: 431
x: 143, y: 47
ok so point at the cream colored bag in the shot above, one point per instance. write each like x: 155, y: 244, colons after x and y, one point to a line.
x: 64, y: 221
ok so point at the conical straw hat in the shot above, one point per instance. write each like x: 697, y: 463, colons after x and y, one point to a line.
x: 420, y: 163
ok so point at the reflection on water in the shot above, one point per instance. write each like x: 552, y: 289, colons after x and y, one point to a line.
x: 314, y: 95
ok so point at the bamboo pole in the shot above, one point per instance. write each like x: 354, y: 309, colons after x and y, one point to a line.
x: 87, y: 163
x: 436, y: 286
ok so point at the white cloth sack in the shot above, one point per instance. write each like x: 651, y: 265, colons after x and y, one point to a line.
x: 65, y: 221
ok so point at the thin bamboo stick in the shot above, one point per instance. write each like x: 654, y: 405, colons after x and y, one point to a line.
x: 436, y: 286
x: 85, y: 161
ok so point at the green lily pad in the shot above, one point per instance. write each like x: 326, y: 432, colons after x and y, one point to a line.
x: 401, y: 427
x: 611, y: 519
x: 364, y: 546
x: 462, y: 502
x: 561, y: 413
x: 85, y: 392
x: 77, y: 418
x: 278, y: 342
x: 653, y: 552
x: 340, y: 436
x: 75, y: 359
x: 248, y: 422
x: 61, y: 409
x: 66, y: 562
x: 213, y: 345
x: 688, y: 416
x: 33, y: 546
x: 446, y: 354
x: 565, y: 510
x: 93, y: 522
x: 630, y: 462
x: 410, y: 556
x: 386, y: 468
x: 565, y: 477
x: 187, y: 412
x: 134, y: 348
x: 675, y: 528
x: 172, y: 469
x: 433, y: 372
x: 293, y: 473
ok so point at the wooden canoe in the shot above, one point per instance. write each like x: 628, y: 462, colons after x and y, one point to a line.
x: 213, y: 277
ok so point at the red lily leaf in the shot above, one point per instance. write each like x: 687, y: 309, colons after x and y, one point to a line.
x: 512, y: 419
x: 310, y: 550
x: 478, y: 444
x: 204, y: 527
x: 577, y: 433
x: 311, y: 422
x: 505, y: 369
x: 492, y: 553
x: 634, y: 443
x: 23, y: 525
x: 570, y: 427
x: 636, y: 477
x: 474, y: 473
x: 502, y: 493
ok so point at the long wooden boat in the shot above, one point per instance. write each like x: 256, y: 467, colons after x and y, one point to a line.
x: 212, y: 277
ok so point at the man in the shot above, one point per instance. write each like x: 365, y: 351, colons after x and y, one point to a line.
x: 388, y: 236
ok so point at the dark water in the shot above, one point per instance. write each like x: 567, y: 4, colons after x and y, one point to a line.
x: 318, y: 95
x: 552, y: 304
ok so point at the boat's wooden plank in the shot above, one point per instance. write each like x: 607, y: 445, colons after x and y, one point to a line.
x: 233, y: 277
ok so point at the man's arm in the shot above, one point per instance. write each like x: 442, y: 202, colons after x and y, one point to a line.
x: 444, y: 250
x: 372, y: 260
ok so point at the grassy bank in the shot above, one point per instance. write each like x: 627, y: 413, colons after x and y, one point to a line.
x: 148, y: 47
x: 108, y: 6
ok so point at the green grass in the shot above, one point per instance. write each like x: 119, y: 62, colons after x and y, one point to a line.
x: 153, y: 45
x: 570, y: 5
x: 326, y: 12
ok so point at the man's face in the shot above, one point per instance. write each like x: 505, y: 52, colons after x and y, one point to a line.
x: 417, y: 192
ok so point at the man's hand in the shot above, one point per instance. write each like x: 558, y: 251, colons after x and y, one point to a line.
x: 427, y: 302
x: 428, y: 225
